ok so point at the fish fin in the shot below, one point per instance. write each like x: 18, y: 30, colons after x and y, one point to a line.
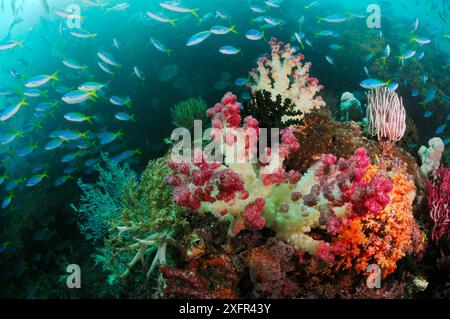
x: 132, y: 118
x: 128, y: 103
x: 319, y: 20
x: 233, y: 29
x: 84, y: 134
x: 93, y: 95
x: 54, y: 76
x: 194, y: 13
x: 172, y: 22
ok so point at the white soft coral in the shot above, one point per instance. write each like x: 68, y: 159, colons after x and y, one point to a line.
x: 282, y: 73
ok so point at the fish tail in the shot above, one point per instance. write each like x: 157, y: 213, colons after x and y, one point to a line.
x: 23, y: 102
x: 319, y: 20
x: 132, y: 118
x: 128, y: 103
x: 384, y: 60
x: 233, y: 29
x: 93, y: 95
x: 168, y: 52
x: 194, y: 13
x: 172, y: 22
x: 84, y: 134
x: 20, y: 43
x: 138, y: 151
x: 54, y: 76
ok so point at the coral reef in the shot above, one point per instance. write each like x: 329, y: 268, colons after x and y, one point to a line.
x: 330, y: 195
x: 269, y: 112
x: 271, y: 268
x: 385, y: 237
x: 102, y: 202
x: 439, y: 204
x: 237, y: 192
x: 350, y: 108
x: 431, y: 156
x: 304, y: 218
x: 283, y: 74
x: 386, y: 115
x: 186, y: 112
x: 142, y: 229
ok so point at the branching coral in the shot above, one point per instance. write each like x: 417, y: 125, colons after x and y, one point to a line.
x: 102, y: 203
x: 140, y: 222
x: 269, y: 112
x: 283, y: 74
x: 438, y: 194
x: 184, y: 113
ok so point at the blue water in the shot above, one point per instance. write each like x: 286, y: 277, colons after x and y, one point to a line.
x: 188, y: 71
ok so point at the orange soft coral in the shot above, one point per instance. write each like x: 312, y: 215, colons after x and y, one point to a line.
x: 382, y: 238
